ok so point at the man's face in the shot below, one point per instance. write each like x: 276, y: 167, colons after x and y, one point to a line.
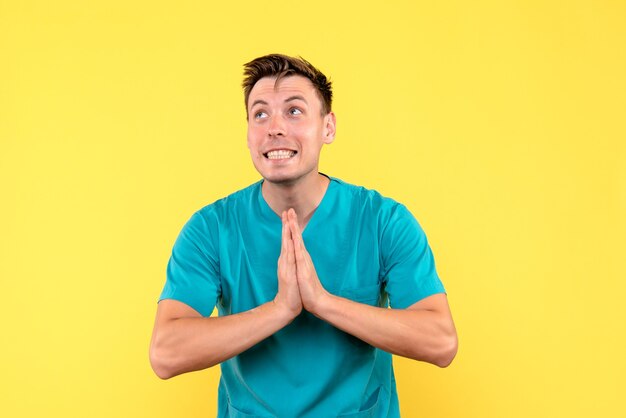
x: 286, y: 130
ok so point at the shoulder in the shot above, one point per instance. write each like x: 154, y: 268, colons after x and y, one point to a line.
x: 221, y: 208
x: 368, y: 208
x: 368, y: 200
x: 214, y: 214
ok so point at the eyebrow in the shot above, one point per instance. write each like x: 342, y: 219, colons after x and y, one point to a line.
x: 289, y: 99
x: 297, y: 97
x: 256, y: 102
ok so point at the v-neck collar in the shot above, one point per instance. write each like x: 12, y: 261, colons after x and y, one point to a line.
x: 320, y: 213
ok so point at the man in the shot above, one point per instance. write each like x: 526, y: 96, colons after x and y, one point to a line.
x: 302, y: 267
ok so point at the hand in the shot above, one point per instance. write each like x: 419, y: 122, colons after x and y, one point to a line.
x: 311, y: 290
x: 288, y: 296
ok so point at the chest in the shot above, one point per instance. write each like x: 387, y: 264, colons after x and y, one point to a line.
x: 346, y: 259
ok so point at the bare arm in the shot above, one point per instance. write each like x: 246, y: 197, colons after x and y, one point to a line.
x: 423, y: 331
x: 184, y: 341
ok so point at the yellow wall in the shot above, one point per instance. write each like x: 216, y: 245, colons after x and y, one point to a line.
x: 501, y: 125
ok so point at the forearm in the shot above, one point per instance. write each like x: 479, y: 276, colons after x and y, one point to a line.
x: 188, y: 344
x: 418, y: 334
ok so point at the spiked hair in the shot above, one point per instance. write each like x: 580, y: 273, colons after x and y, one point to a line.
x: 279, y: 66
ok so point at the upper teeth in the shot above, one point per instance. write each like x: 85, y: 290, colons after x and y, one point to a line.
x: 281, y: 153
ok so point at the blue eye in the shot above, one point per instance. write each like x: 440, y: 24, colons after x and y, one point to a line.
x: 295, y: 111
x: 259, y: 115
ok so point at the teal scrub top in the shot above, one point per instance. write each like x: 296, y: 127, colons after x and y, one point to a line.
x: 365, y: 247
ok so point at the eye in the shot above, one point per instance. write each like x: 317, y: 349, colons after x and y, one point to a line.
x: 294, y: 111
x: 260, y: 115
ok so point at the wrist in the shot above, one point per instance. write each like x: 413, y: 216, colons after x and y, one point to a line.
x: 283, y: 313
x: 322, y: 303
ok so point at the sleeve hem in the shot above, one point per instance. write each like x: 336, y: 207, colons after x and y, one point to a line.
x: 199, y: 307
x: 414, y: 297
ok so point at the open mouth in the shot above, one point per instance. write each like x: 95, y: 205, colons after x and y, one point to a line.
x: 280, y: 154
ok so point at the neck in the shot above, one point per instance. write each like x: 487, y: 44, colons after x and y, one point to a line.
x: 304, y: 196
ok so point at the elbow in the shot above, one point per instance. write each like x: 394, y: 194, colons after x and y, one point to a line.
x: 159, y: 363
x: 447, y: 352
x: 167, y: 363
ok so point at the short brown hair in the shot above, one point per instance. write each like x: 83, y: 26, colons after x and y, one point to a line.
x: 279, y: 66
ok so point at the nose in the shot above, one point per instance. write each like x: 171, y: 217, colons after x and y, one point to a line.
x: 276, y: 126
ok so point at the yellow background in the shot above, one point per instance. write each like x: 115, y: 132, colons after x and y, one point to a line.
x: 501, y: 125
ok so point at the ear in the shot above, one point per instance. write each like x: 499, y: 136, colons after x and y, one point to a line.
x: 330, y: 127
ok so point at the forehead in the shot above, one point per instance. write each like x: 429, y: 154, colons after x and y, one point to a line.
x: 268, y: 89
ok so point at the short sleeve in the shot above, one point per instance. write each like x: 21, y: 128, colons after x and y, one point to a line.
x: 193, y: 268
x: 409, y: 273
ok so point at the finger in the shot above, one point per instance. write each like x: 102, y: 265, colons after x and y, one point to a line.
x: 291, y: 256
x: 303, y: 258
x: 295, y: 229
x: 299, y: 254
x: 287, y: 246
x: 297, y: 239
x: 293, y: 220
x: 283, y: 243
x: 285, y: 233
x: 308, y: 259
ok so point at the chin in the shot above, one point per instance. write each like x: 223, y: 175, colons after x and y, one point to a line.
x: 285, y: 176
x: 283, y: 180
